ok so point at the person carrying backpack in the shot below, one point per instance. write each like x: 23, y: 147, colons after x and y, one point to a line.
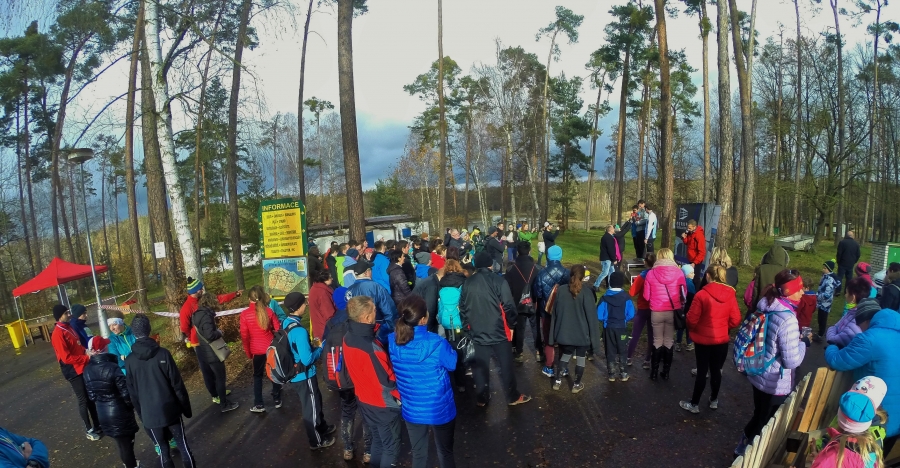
x: 769, y: 368
x: 258, y: 323
x: 317, y: 430
x: 521, y: 276
x: 450, y: 288
x: 615, y: 310
x: 574, y: 327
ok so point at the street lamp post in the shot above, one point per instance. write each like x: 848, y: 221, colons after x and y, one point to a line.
x: 80, y: 156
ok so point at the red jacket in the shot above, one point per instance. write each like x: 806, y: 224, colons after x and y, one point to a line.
x: 806, y: 309
x: 713, y: 312
x: 321, y: 308
x: 369, y: 368
x: 187, y: 310
x: 696, y: 245
x: 69, y: 353
x: 637, y: 292
x: 254, y: 339
x: 437, y: 261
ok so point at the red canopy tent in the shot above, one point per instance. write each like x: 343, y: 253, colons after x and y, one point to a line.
x: 57, y: 272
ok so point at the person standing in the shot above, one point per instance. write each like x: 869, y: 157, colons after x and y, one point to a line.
x: 321, y: 304
x: 695, y: 241
x: 608, y: 255
x: 720, y: 257
x: 650, y: 230
x: 642, y: 317
x: 399, y: 284
x: 494, y: 248
x: 448, y: 293
x: 380, y: 264
x: 527, y: 235
x: 512, y: 239
x: 72, y: 357
x: 157, y: 392
x: 521, y: 276
x: 574, y: 327
x: 373, y: 380
x: 615, y: 310
x: 385, y: 308
x: 314, y: 260
x: 422, y: 361
x: 107, y: 388
x: 640, y: 229
x: 548, y: 236
x: 848, y: 254
x: 664, y: 289
x: 204, y: 322
x: 890, y: 296
x: 121, y: 339
x: 78, y: 321
x: 258, y: 324
x: 488, y: 314
x: 555, y: 275
x: 856, y: 301
x: 713, y: 313
x: 335, y: 263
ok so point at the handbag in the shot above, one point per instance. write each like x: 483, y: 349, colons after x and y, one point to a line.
x: 679, y: 314
x: 219, y: 346
x: 551, y: 300
x: 467, y: 348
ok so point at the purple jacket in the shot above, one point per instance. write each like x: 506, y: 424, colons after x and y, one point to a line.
x: 783, y: 343
x: 842, y: 333
x: 662, y: 286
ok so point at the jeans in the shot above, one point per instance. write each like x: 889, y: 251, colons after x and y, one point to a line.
x: 663, y: 328
x: 641, y: 319
x: 385, y: 426
x: 86, y: 408
x: 606, y: 269
x: 443, y: 441
x: 845, y: 274
x: 311, y: 406
x: 349, y: 404
x: 710, y: 358
x: 481, y: 371
x: 764, y: 407
x: 214, y: 379
x: 680, y: 333
x: 165, y: 458
x: 125, y: 446
x: 259, y: 371
x: 540, y: 256
x: 511, y: 253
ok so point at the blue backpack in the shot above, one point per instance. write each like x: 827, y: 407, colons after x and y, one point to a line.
x: 750, y: 345
x: 448, y: 308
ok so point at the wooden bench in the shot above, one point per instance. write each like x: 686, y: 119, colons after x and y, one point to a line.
x: 42, y: 325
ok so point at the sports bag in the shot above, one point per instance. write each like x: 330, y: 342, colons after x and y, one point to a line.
x: 448, y: 308
x: 280, y: 365
x: 526, y: 304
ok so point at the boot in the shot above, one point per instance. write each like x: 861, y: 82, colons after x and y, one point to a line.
x: 667, y: 354
x: 612, y: 370
x: 654, y: 362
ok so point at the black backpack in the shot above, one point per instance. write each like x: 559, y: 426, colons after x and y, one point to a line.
x: 280, y: 365
x: 336, y: 376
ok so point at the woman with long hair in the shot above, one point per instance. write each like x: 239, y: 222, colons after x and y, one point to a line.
x: 321, y: 303
x: 642, y: 316
x: 204, y: 320
x: 665, y: 289
x: 721, y: 258
x: 574, y: 327
x: 422, y: 362
x: 714, y: 311
x: 258, y: 324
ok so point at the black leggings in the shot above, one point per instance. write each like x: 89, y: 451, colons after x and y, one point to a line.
x: 86, y: 407
x: 443, y: 441
x: 259, y: 371
x: 823, y: 321
x: 125, y: 444
x: 709, y: 358
x: 764, y: 407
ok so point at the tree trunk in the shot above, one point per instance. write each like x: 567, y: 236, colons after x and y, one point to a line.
x: 545, y: 142
x: 840, y: 119
x: 136, y: 252
x: 468, y: 167
x: 301, y: 171
x: 20, y: 165
x: 512, y: 176
x: 618, y: 185
x: 873, y: 150
x: 355, y: 209
x: 772, y: 208
x: 594, y: 135
x: 726, y: 132
x: 665, y: 128
x: 704, y: 34
x: 747, y: 146
x: 442, y: 171
x: 36, y: 244
x: 796, y: 210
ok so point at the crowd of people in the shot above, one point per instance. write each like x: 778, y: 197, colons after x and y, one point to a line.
x: 397, y: 328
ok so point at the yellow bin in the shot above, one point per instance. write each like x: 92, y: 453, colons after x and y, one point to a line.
x: 16, y: 333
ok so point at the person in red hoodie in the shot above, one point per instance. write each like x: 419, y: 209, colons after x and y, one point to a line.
x: 258, y: 324
x: 72, y: 358
x: 195, y: 289
x: 808, y: 304
x: 373, y: 379
x: 321, y: 303
x: 695, y: 241
x: 712, y: 314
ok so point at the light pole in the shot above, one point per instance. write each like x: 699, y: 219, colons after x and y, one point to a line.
x: 80, y: 156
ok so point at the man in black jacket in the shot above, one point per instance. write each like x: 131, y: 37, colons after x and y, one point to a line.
x: 314, y: 260
x: 427, y: 288
x: 549, y: 238
x: 847, y: 255
x: 494, y: 248
x: 157, y: 392
x: 608, y: 255
x: 520, y: 276
x: 890, y: 292
x: 488, y: 313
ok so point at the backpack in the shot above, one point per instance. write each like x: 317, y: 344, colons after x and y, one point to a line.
x: 337, y: 377
x: 280, y: 364
x: 750, y: 345
x: 448, y: 308
x: 526, y: 305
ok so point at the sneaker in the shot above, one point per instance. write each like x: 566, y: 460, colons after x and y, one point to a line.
x: 258, y: 409
x: 646, y: 365
x: 686, y: 405
x: 231, y: 406
x: 367, y: 457
x: 678, y: 347
x: 557, y: 384
x: 590, y: 357
x: 577, y: 387
x: 520, y: 358
x: 523, y: 398
x: 623, y: 377
x: 612, y: 377
x: 92, y: 436
x: 564, y: 373
x: 689, y: 347
x: 348, y: 455
x: 330, y: 429
x: 325, y: 443
x: 216, y: 400
x: 694, y: 372
x: 547, y: 371
x: 628, y: 362
x: 742, y: 446
x: 713, y: 404
x: 277, y: 404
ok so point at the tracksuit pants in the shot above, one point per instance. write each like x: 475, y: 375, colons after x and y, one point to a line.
x: 311, y: 404
x: 349, y: 405
x: 385, y: 426
x: 177, y: 431
x: 214, y: 378
x: 481, y: 371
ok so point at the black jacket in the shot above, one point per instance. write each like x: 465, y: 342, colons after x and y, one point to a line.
x: 314, y: 266
x: 409, y: 270
x: 731, y: 279
x: 205, y: 321
x: 332, y: 267
x: 106, y: 387
x: 521, y: 276
x: 493, y: 246
x: 427, y: 289
x: 549, y: 238
x: 399, y: 283
x: 458, y: 243
x: 890, y: 295
x: 486, y: 308
x: 155, y: 386
x: 608, y: 248
x: 848, y: 252
x: 574, y: 319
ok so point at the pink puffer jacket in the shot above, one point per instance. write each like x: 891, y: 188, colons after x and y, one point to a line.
x: 663, y: 286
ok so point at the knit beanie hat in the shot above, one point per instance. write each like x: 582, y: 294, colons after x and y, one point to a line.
x: 194, y: 285
x: 687, y: 270
x: 353, y: 253
x: 866, y: 309
x: 554, y: 253
x: 423, y: 258
x: 857, y: 406
x: 862, y: 268
x: 78, y: 310
x: 483, y: 260
x: 617, y: 280
x: 98, y: 343
x: 829, y: 265
x: 294, y: 301
x: 58, y: 311
x: 340, y: 298
x: 140, y: 326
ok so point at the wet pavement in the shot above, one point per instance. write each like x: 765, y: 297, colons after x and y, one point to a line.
x: 634, y: 423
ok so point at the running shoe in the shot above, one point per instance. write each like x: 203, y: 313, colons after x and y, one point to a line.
x: 688, y: 406
x: 258, y: 409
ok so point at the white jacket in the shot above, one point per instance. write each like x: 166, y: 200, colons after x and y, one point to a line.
x: 651, y: 225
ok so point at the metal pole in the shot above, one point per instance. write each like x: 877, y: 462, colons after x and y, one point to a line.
x: 21, y: 324
x: 101, y: 315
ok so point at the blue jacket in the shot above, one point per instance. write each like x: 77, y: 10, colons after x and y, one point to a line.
x: 10, y: 456
x: 422, y: 368
x: 424, y: 271
x: 385, y: 309
x: 550, y: 276
x: 276, y: 307
x: 874, y: 352
x: 615, y: 309
x: 379, y: 270
x: 301, y: 348
x: 120, y: 345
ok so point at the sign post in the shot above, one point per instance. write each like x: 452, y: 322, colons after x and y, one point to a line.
x: 283, y: 241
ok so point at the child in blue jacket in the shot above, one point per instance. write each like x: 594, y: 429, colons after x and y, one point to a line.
x: 615, y: 311
x: 827, y: 287
x: 22, y: 452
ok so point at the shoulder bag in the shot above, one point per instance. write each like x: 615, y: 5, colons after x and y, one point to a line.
x: 219, y: 346
x: 679, y: 314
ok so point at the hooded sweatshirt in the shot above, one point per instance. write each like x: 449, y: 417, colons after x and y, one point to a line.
x: 615, y: 309
x: 348, y: 277
x: 713, y: 312
x: 664, y: 285
x: 155, y: 386
x: 775, y: 260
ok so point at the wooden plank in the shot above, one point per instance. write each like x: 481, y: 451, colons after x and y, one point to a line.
x: 809, y: 409
x: 758, y: 447
x: 770, y: 441
x: 738, y: 462
x: 842, y: 382
x: 819, y: 409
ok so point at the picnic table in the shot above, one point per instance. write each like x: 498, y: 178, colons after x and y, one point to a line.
x: 42, y: 325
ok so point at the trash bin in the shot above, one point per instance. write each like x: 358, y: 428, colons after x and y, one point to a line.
x: 16, y: 333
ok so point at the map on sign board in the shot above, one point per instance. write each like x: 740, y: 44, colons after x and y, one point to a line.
x: 282, y: 226
x: 285, y: 275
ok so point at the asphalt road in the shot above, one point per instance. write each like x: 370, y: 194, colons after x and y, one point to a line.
x: 636, y: 423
